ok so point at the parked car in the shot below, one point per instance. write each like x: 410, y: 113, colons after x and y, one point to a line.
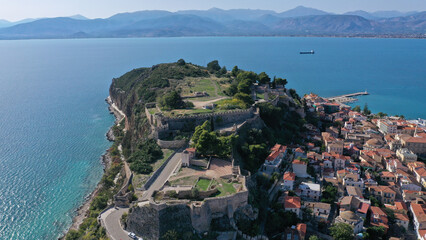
x: 132, y: 236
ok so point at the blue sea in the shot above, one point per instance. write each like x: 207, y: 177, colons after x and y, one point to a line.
x: 53, y: 117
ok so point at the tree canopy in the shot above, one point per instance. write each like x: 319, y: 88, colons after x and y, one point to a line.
x: 264, y: 78
x: 209, y: 143
x: 342, y: 231
x: 213, y: 66
x: 171, y: 100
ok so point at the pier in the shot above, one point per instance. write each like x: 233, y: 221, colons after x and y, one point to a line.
x: 347, y: 98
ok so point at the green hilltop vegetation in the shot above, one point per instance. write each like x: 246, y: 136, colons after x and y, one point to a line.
x: 182, y: 88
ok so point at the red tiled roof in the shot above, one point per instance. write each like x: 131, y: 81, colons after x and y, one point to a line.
x: 275, y: 151
x: 401, y: 206
x: 301, y: 228
x: 290, y: 176
x: 376, y: 210
x: 402, y: 217
x: 299, y: 150
x: 421, y: 171
x: 364, y: 208
x: 387, y: 174
x: 297, y: 161
x: 292, y: 202
x: 191, y: 150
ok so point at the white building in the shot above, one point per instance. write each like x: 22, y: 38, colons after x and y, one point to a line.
x: 405, y: 155
x: 310, y: 190
x: 274, y: 160
x: 299, y: 168
x: 353, y: 180
x: 352, y: 219
x: 288, y: 181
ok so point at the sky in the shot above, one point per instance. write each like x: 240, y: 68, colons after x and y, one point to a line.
x: 13, y: 10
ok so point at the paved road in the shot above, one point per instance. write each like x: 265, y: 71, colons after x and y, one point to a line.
x: 163, y: 177
x: 111, y: 218
x: 111, y: 222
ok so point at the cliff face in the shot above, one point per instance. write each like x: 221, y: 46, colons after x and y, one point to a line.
x: 153, y: 221
x: 134, y: 89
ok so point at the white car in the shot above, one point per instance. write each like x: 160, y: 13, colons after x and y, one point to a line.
x: 132, y: 235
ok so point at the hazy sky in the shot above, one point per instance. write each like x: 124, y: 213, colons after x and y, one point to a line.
x: 19, y: 9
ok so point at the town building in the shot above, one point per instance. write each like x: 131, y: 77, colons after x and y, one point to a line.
x: 382, y: 193
x: 309, y: 190
x: 406, y: 155
x: 378, y: 218
x: 299, y: 168
x: 288, y: 181
x: 275, y: 158
x: 352, y: 219
x: 293, y: 204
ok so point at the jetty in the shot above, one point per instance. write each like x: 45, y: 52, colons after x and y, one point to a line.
x: 348, y: 98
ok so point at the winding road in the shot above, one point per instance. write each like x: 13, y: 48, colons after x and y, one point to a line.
x: 110, y: 219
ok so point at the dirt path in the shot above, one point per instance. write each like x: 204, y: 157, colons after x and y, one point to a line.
x: 200, y: 104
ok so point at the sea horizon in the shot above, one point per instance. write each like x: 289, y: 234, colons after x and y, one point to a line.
x: 55, y: 117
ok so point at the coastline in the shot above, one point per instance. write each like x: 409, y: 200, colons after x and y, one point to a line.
x: 83, y: 209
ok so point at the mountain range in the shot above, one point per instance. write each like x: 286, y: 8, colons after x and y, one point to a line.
x: 300, y: 21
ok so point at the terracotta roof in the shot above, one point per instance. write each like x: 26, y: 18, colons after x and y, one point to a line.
x: 290, y: 176
x: 401, y: 206
x: 299, y: 150
x: 376, y: 210
x: 401, y: 217
x: 297, y: 161
x: 301, y: 228
x: 387, y: 174
x: 292, y: 202
x: 416, y: 139
x: 421, y: 171
x: 363, y: 208
x: 191, y: 150
x: 275, y: 152
x: 418, y: 211
x: 385, y: 189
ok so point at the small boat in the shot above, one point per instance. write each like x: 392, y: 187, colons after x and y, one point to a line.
x: 310, y: 52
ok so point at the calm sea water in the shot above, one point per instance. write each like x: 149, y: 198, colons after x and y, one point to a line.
x: 53, y: 117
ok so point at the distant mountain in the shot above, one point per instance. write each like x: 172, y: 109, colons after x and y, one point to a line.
x: 5, y: 23
x: 361, y: 13
x: 301, y: 11
x: 325, y: 24
x: 78, y: 17
x: 300, y: 21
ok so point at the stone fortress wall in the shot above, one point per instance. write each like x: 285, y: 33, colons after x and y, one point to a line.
x: 162, y: 126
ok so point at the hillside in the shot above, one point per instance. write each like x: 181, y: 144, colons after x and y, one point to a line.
x: 300, y: 21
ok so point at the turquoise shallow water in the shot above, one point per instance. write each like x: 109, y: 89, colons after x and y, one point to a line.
x: 53, y: 117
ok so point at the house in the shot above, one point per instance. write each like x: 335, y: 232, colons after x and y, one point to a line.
x: 410, y: 195
x: 405, y: 155
x: 299, y: 153
x: 408, y: 183
x: 402, y: 220
x: 354, y: 191
x: 420, y: 174
x: 363, y: 209
x: 275, y: 158
x: 297, y: 232
x: 349, y: 217
x: 335, y: 147
x: 288, y: 181
x: 378, y: 218
x: 319, y: 209
x: 415, y: 144
x: 187, y: 155
x: 299, y: 168
x: 386, y: 176
x: 419, y: 219
x: 339, y: 161
x: 309, y: 190
x: 293, y: 204
x: 382, y: 193
x: 353, y: 180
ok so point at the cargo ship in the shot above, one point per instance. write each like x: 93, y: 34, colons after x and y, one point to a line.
x: 310, y: 52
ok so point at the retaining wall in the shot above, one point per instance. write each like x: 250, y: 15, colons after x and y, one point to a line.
x: 172, y: 144
x: 156, y: 174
